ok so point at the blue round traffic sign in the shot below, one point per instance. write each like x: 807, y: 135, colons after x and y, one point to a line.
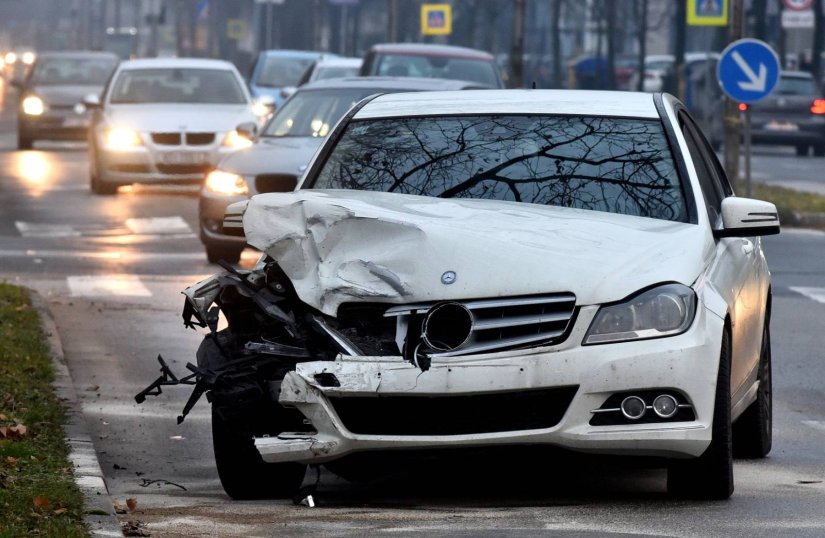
x: 748, y: 70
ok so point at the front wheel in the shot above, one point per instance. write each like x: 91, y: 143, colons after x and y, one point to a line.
x: 244, y: 475
x: 710, y: 476
x: 24, y: 141
x: 753, y: 431
x: 95, y: 184
x: 801, y: 150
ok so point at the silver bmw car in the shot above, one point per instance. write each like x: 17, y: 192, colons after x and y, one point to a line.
x: 166, y: 121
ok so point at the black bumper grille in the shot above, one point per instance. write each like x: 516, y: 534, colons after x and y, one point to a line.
x: 182, y: 169
x: 454, y: 415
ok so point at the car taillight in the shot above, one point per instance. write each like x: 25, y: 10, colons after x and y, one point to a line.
x: 818, y: 107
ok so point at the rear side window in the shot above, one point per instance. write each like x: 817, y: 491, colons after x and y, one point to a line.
x: 616, y: 165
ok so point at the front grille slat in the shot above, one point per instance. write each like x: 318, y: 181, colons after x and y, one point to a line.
x: 502, y: 343
x: 517, y: 321
x: 457, y: 414
x: 520, y: 301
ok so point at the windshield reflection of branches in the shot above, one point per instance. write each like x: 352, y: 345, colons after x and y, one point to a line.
x: 604, y: 164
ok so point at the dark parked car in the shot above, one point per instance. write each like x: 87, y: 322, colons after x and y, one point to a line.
x: 793, y: 114
x: 285, y: 146
x: 51, y: 96
x: 432, y: 61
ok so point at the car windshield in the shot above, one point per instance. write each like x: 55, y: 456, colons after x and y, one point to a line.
x: 796, y: 86
x: 277, y: 72
x: 73, y: 71
x: 314, y: 112
x: 177, y: 85
x: 604, y: 164
x: 401, y: 65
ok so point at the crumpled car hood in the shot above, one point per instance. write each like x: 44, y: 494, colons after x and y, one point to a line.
x: 356, y: 246
x: 180, y: 117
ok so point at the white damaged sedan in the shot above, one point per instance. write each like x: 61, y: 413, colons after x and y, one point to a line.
x: 494, y: 268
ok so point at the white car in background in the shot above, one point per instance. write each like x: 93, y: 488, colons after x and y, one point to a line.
x: 165, y: 121
x: 478, y: 269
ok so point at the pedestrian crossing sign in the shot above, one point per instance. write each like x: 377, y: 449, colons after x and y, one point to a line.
x: 707, y: 12
x: 436, y: 19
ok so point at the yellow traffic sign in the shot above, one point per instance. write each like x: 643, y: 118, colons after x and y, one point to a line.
x: 235, y: 29
x: 707, y: 12
x: 436, y: 19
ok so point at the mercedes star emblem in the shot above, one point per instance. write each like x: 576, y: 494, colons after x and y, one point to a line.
x: 448, y: 277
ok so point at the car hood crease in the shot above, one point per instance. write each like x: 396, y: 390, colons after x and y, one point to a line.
x: 356, y: 246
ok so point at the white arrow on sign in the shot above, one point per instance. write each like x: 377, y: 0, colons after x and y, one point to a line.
x: 755, y: 83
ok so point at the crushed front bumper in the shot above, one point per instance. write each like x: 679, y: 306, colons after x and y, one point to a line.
x: 687, y: 363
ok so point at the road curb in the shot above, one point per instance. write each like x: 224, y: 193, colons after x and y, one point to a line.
x: 99, y: 512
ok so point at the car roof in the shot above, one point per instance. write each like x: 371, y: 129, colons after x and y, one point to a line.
x: 333, y: 61
x: 295, y: 53
x: 796, y: 74
x: 429, y: 49
x: 392, y: 83
x: 166, y: 63
x: 572, y: 102
x: 91, y: 54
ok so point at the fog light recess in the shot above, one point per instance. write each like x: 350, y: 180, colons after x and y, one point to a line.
x: 665, y: 406
x: 633, y: 407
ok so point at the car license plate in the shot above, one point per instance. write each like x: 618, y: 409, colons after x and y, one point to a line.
x: 183, y: 157
x: 781, y: 126
x: 75, y: 122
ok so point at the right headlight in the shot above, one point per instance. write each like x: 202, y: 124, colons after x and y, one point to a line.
x: 33, y: 106
x: 665, y: 310
x: 226, y: 183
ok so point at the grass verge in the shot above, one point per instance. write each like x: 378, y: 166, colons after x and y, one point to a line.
x: 790, y: 203
x: 38, y: 495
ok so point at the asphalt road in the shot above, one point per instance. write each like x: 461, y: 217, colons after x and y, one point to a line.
x: 111, y: 269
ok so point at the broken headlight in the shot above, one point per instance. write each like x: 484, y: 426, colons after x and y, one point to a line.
x: 665, y: 310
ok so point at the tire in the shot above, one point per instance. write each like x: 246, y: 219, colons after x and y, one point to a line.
x: 801, y: 150
x: 216, y: 253
x: 819, y: 150
x: 244, y: 475
x: 753, y: 431
x: 710, y: 476
x: 24, y: 142
x: 97, y: 186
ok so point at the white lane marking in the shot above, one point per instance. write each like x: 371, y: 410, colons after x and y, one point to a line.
x: 125, y: 255
x: 815, y: 424
x: 34, y: 229
x: 104, y: 286
x: 158, y: 226
x: 816, y: 294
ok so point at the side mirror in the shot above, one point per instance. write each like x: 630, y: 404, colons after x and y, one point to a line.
x: 745, y: 217
x: 248, y: 130
x: 92, y: 100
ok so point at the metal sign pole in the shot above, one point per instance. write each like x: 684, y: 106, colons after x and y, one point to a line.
x: 748, y: 191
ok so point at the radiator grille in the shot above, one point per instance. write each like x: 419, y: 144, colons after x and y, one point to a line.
x: 167, y: 139
x: 505, y: 323
x: 199, y: 139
